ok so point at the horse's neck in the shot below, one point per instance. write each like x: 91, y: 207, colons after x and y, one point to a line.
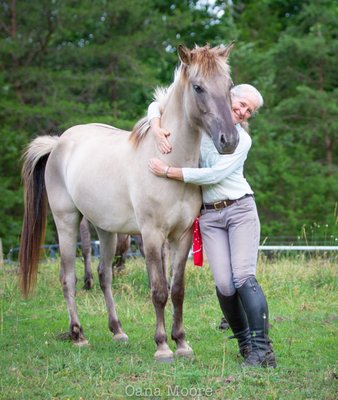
x: 185, y: 139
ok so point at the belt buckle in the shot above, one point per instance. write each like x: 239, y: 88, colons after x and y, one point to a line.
x: 218, y: 205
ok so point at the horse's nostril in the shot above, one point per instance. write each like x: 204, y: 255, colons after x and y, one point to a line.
x: 223, y: 141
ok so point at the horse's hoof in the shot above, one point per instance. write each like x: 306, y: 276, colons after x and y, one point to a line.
x: 64, y: 336
x: 165, y: 356
x: 120, y: 337
x: 81, y: 342
x: 186, y: 352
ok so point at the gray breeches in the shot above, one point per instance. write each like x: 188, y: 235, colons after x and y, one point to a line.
x: 230, y: 240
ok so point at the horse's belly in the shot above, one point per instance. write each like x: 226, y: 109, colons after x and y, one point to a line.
x: 106, y: 208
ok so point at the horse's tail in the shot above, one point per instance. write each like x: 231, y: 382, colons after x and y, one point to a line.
x: 35, y: 209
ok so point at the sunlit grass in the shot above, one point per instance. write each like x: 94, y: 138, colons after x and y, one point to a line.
x: 36, y: 364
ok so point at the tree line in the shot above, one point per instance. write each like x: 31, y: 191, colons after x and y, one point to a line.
x: 64, y: 63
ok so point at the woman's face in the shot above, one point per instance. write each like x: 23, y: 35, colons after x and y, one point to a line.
x: 243, y: 108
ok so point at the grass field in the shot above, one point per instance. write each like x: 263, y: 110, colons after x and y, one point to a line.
x: 36, y: 364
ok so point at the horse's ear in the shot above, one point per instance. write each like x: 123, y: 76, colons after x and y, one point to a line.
x: 227, y: 50
x: 184, y: 54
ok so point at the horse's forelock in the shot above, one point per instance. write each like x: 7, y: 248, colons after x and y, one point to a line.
x: 206, y: 61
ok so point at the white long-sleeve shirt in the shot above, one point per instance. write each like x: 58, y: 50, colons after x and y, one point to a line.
x: 220, y: 175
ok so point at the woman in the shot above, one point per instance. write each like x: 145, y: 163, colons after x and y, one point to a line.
x: 229, y: 226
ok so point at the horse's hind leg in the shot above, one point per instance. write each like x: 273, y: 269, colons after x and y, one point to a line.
x: 179, y: 251
x: 107, y: 251
x: 86, y: 253
x: 67, y: 224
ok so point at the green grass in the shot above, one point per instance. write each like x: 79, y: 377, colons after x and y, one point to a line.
x: 36, y: 364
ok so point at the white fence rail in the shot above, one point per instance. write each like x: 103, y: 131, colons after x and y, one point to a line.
x: 297, y: 248
x: 134, y: 251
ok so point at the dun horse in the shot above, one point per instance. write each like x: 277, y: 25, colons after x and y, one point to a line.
x: 117, y: 193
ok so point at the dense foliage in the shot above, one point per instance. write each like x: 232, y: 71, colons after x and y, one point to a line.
x: 67, y: 62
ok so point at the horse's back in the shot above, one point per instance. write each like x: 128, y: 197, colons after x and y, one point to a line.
x: 89, y: 167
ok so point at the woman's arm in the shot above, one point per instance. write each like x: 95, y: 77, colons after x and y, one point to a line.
x: 224, y: 166
x: 161, y: 134
x: 198, y: 176
x: 160, y: 168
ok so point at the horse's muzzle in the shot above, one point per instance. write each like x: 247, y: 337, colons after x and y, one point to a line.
x: 227, y: 143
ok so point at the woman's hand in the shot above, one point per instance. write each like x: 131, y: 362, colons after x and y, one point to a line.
x: 158, y: 167
x: 161, y: 136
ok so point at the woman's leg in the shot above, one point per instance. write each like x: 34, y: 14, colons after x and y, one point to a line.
x: 235, y: 315
x: 244, y: 240
x: 244, y: 235
x: 257, y: 312
x: 216, y: 245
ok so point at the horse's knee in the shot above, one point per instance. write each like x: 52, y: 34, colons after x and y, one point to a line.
x: 177, y: 293
x: 160, y: 296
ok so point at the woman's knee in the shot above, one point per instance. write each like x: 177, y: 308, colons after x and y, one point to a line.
x: 240, y: 280
x: 226, y: 289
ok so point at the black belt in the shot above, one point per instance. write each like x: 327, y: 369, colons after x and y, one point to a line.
x: 218, y: 205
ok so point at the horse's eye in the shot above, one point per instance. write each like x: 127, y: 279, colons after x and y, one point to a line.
x: 198, y: 89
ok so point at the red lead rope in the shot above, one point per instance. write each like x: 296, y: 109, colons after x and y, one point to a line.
x: 197, y: 245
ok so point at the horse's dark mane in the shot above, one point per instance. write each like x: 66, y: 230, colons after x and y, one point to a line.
x: 139, y: 131
x: 141, y: 128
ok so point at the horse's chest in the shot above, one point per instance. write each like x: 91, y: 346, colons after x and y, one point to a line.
x: 181, y: 208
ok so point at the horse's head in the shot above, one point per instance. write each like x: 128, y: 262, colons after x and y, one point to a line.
x: 206, y: 77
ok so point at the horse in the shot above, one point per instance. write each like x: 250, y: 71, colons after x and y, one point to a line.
x: 116, y: 192
x: 121, y: 252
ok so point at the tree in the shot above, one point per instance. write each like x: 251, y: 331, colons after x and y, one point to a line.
x: 294, y: 165
x: 64, y: 63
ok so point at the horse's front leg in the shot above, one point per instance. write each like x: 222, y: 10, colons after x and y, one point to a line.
x: 67, y: 227
x: 152, y: 245
x: 107, y: 252
x: 179, y: 251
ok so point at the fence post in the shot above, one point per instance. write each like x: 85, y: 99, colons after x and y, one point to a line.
x: 1, y: 255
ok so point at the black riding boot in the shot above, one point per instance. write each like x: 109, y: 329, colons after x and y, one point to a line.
x: 234, y: 313
x: 256, y: 308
